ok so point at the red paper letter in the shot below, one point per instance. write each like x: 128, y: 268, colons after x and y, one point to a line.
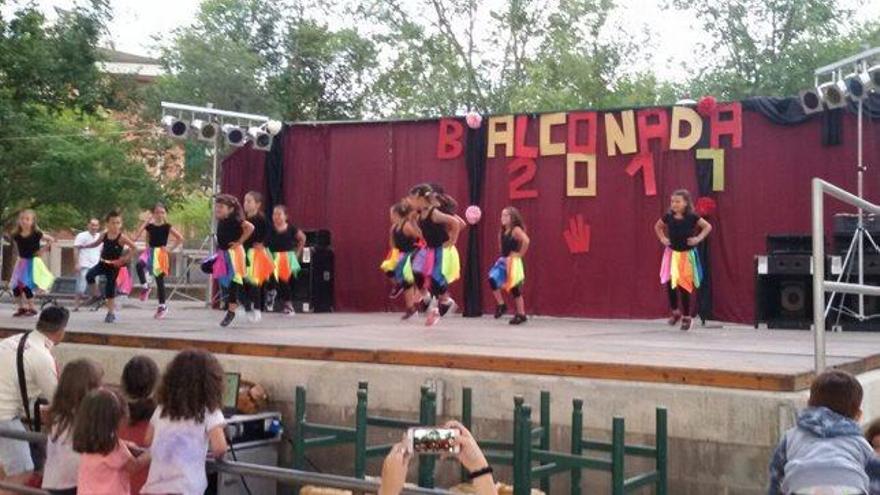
x: 516, y: 183
x: 588, y: 147
x: 645, y: 162
x: 519, y: 143
x: 449, y: 144
x: 730, y: 126
x: 577, y: 236
x: 649, y: 131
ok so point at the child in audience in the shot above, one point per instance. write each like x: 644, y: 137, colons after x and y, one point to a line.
x: 77, y: 379
x: 826, y: 448
x: 106, y: 463
x: 187, y: 422
x: 872, y: 435
x: 139, y: 379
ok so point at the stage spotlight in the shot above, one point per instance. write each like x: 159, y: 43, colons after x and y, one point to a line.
x: 175, y: 127
x: 833, y: 94
x: 811, y: 101
x: 273, y: 127
x: 204, y: 130
x: 874, y: 74
x: 261, y: 139
x: 234, y: 135
x: 858, y: 84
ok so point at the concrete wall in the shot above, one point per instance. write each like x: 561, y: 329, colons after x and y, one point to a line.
x: 720, y: 439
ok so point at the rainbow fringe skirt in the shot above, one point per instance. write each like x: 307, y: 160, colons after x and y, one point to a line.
x: 681, y: 269
x: 440, y: 266
x: 400, y: 264
x: 229, y: 266
x: 31, y: 273
x: 508, y: 272
x: 157, y: 261
x: 286, y: 266
x: 260, y: 265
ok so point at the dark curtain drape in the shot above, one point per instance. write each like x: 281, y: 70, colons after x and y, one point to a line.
x: 274, y: 172
x: 779, y: 110
x: 475, y: 161
x: 704, y: 189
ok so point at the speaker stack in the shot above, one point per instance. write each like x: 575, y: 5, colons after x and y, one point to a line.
x: 314, y: 287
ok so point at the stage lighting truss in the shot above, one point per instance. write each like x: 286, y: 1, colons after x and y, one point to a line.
x: 833, y: 94
x: 204, y: 130
x: 175, y: 127
x: 811, y: 100
x: 235, y: 135
x: 858, y: 84
x: 261, y: 139
x: 208, y: 124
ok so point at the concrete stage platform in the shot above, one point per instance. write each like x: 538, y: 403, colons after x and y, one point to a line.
x: 730, y: 390
x: 730, y: 356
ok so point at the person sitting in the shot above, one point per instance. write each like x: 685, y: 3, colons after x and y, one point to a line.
x: 872, y: 435
x: 826, y: 448
x: 139, y: 379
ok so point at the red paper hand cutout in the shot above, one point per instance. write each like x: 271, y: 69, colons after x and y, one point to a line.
x: 578, y: 235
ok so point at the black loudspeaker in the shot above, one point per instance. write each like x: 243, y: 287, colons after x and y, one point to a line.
x: 314, y: 289
x: 789, y: 244
x: 319, y: 239
x: 784, y: 288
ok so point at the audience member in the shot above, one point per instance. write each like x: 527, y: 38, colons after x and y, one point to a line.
x: 872, y: 435
x: 139, y: 379
x: 826, y: 448
x: 187, y: 422
x: 62, y: 463
x: 107, y: 463
x: 86, y: 257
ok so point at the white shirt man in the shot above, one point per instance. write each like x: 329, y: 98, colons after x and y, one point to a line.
x: 86, y: 257
x: 41, y: 377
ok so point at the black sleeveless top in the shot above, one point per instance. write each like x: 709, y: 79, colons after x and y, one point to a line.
x: 229, y: 230
x: 261, y: 231
x: 402, y: 241
x: 112, y: 248
x: 509, y: 244
x: 279, y: 242
x: 434, y: 233
x: 28, y: 246
x: 158, y: 234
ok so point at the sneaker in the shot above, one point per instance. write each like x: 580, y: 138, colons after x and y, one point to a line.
x: 251, y: 315
x: 518, y: 320
x: 423, y: 305
x: 446, y: 308
x: 396, y: 291
x: 433, y: 317
x: 230, y: 315
x: 676, y: 316
x: 20, y: 312
x: 161, y: 311
x: 288, y: 309
x: 110, y: 318
x: 686, y: 323
x: 258, y: 316
x: 145, y: 293
x: 409, y: 313
x: 500, y: 310
x: 270, y: 299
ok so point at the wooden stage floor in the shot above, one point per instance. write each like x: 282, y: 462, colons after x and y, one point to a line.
x: 729, y: 356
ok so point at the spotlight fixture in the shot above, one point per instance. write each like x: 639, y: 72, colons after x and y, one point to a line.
x: 204, y: 130
x: 175, y: 127
x: 273, y: 127
x: 235, y: 135
x: 858, y: 84
x: 833, y: 94
x: 811, y: 101
x: 874, y: 74
x: 262, y: 140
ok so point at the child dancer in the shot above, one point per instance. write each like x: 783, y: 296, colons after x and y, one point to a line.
x: 680, y: 271
x: 229, y: 264
x: 398, y: 264
x: 508, y: 273
x: 139, y: 379
x: 107, y: 462
x: 155, y: 257
x: 112, y: 261
x: 30, y: 273
x: 286, y: 244
x: 78, y: 378
x: 187, y: 423
x: 437, y: 264
x: 259, y: 260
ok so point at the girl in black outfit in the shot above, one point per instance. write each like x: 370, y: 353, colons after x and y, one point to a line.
x: 508, y: 272
x: 30, y: 273
x: 681, y: 230
x: 155, y: 258
x: 113, y: 257
x: 286, y: 244
x: 404, y: 238
x: 259, y: 260
x: 229, y: 264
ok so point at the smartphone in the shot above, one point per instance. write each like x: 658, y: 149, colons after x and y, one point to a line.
x: 432, y: 440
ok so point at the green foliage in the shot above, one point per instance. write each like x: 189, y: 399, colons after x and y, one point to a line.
x: 192, y: 216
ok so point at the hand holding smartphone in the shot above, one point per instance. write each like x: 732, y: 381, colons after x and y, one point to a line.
x: 432, y: 440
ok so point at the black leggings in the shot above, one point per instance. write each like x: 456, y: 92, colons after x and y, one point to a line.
x: 141, y: 269
x: 109, y: 272
x: 253, y: 296
x: 18, y: 291
x: 232, y: 292
x: 515, y: 292
x: 676, y: 295
x: 437, y: 290
x: 286, y: 290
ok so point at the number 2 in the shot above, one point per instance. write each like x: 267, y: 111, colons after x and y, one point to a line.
x: 528, y: 168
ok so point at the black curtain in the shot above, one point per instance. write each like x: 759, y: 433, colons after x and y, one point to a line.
x: 704, y: 186
x: 274, y: 175
x: 474, y: 278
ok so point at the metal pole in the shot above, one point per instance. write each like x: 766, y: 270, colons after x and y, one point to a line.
x: 818, y: 276
x: 214, y: 190
x: 861, y: 223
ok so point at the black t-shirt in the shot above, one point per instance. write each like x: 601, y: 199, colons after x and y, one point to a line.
x: 434, y: 233
x: 509, y: 244
x: 229, y: 230
x: 283, y: 241
x: 112, y: 248
x: 28, y: 246
x: 261, y: 231
x: 679, y: 229
x: 402, y: 241
x: 158, y: 234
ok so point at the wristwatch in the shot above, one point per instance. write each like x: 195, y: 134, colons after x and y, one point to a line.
x: 480, y: 472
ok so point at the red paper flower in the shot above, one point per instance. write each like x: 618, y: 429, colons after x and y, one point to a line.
x: 706, y: 106
x: 705, y: 206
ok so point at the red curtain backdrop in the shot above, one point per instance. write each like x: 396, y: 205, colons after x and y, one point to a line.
x: 344, y: 177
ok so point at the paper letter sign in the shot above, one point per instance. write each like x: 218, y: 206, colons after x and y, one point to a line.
x: 645, y: 163
x: 572, y: 161
x: 717, y: 157
x: 619, y: 140
x: 548, y: 121
x: 529, y: 168
x: 500, y: 137
x: 729, y: 125
x: 681, y: 115
x: 587, y: 143
x: 520, y: 148
x: 649, y: 129
x: 449, y: 141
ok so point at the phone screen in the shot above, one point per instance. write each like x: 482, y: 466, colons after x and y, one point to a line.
x: 433, y: 440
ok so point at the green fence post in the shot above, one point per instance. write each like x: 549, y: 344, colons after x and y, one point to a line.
x: 363, y: 385
x: 577, y: 437
x: 466, y: 419
x: 427, y: 462
x: 618, y: 436
x: 525, y: 449
x: 299, y: 434
x: 662, y: 450
x: 544, y: 443
x: 517, y: 444
x: 360, y: 435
